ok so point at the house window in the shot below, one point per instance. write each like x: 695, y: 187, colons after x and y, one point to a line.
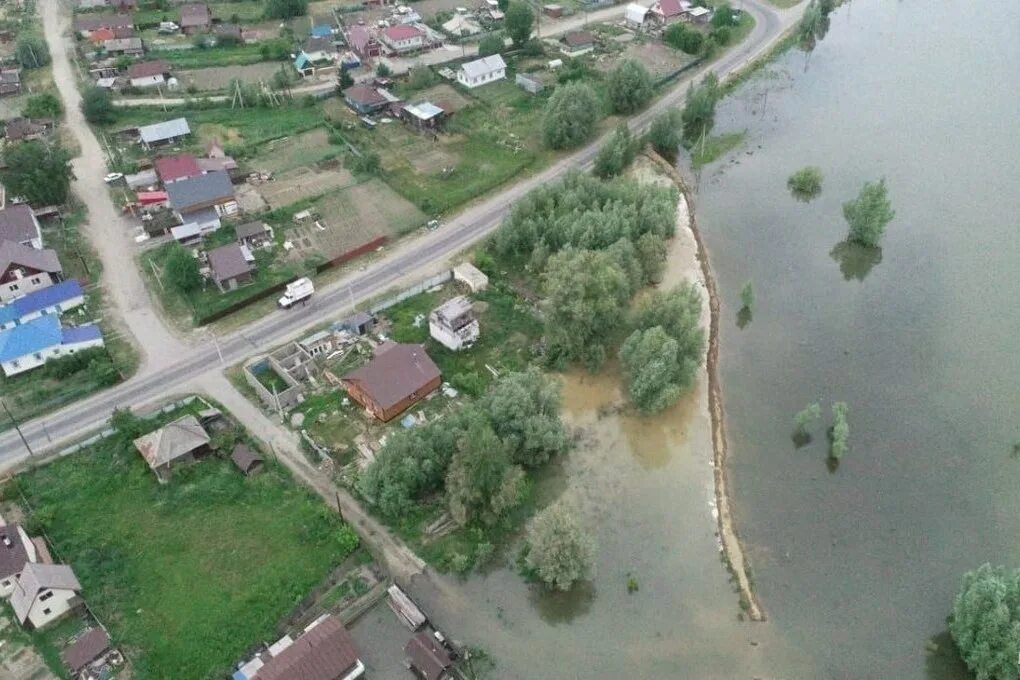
x: 38, y: 356
x: 14, y: 286
x: 45, y: 596
x: 35, y: 280
x: 46, y: 611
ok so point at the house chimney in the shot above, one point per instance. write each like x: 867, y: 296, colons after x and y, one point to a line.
x: 7, y: 541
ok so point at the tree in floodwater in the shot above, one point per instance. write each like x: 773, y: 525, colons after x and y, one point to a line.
x: 868, y: 214
x: 806, y: 183
x: 803, y: 421
x: 986, y: 622
x: 699, y: 111
x: 840, y: 431
x: 666, y: 132
x: 560, y: 551
x: 813, y: 26
x: 747, y: 295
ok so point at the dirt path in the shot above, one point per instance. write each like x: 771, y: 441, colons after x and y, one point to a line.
x: 400, y: 560
x: 107, y: 229
x: 732, y: 550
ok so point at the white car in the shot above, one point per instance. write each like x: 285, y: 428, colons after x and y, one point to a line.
x: 113, y: 177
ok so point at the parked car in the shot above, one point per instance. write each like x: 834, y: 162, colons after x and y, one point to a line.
x: 113, y: 177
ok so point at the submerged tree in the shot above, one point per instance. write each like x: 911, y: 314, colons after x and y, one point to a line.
x: 840, y: 430
x: 869, y: 213
x: 747, y: 295
x: 806, y: 183
x: 560, y: 552
x: 986, y: 622
x: 654, y: 377
x: 699, y: 112
x: 803, y: 421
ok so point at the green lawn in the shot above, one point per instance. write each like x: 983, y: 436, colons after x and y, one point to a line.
x: 189, y: 575
x: 245, y: 12
x: 234, y: 55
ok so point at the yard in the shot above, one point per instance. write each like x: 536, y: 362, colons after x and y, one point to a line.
x: 187, y: 576
x: 216, y: 78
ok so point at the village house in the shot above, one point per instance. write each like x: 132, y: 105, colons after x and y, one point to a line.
x: 253, y: 234
x: 363, y: 43
x: 324, y: 651
x: 131, y: 47
x: 322, y: 26
x: 482, y: 71
x: 227, y: 33
x: 398, y: 376
x: 529, y: 82
x: 217, y: 159
x: 24, y: 269
x: 454, y: 324
x: 402, y: 38
x: 428, y: 658
x: 203, y: 199
x: 148, y: 73
x: 180, y: 442
x: 91, y: 646
x: 166, y: 132
x: 55, y: 299
x: 10, y: 81
x: 26, y: 129
x: 45, y: 593
x: 231, y: 266
x: 365, y: 99
x: 85, y: 24
x: 176, y: 167
x: 195, y: 18
x: 423, y: 115
x: 18, y: 224
x: 316, y: 53
x: 576, y: 43
x: 634, y: 15
x: 668, y: 11
x: 30, y: 345
x: 16, y: 550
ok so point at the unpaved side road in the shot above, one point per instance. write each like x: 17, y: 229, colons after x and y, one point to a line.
x: 107, y: 229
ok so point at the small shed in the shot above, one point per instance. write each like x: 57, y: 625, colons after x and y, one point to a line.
x: 246, y: 460
x: 529, y: 83
x: 635, y: 15
x: 90, y: 646
x: 358, y: 324
x: 176, y: 443
x: 553, y: 11
x: 471, y: 276
x: 429, y: 658
x: 423, y: 115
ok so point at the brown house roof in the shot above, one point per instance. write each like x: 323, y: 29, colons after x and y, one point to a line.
x: 173, y: 440
x: 578, y: 38
x: 86, y: 649
x: 17, y: 223
x: 428, y: 656
x: 13, y: 557
x: 395, y: 374
x: 195, y: 14
x: 245, y: 459
x: 227, y: 262
x: 15, y: 254
x: 323, y: 653
x: 147, y: 69
x: 91, y: 22
x: 364, y: 95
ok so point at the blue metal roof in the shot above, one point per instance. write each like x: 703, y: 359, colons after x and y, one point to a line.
x: 322, y: 31
x: 76, y: 334
x: 34, y: 336
x: 41, y: 299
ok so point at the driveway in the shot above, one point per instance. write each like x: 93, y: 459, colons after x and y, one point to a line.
x: 107, y: 229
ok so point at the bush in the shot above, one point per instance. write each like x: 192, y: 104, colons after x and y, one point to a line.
x: 666, y: 133
x: 97, y: 106
x: 840, y: 430
x: 618, y: 153
x: 43, y: 105
x: 721, y: 36
x: 684, y: 39
x: 490, y: 44
x: 368, y: 163
x: 570, y: 116
x: 806, y: 183
x: 985, y: 622
x: 630, y: 86
x: 869, y: 213
x: 285, y: 9
x: 30, y: 50
x: 723, y: 16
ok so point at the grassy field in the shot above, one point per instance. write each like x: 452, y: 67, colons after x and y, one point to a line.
x: 187, y: 576
x: 234, y: 55
x: 715, y: 147
x: 30, y: 394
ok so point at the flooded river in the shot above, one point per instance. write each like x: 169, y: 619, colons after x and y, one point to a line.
x: 858, y: 568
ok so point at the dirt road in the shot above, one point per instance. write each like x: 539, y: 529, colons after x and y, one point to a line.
x: 107, y: 229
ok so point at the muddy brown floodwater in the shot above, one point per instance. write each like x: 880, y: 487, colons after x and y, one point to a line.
x: 645, y: 487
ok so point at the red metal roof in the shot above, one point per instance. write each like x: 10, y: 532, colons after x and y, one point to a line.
x: 173, y: 168
x: 402, y: 32
x: 325, y: 652
x: 149, y: 197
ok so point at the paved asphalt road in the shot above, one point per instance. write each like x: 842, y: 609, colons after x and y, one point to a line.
x: 413, y: 256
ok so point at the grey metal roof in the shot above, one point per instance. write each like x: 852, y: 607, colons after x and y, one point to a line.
x: 172, y: 441
x: 18, y: 223
x: 116, y: 44
x: 198, y: 191
x: 12, y: 253
x: 158, y: 132
x: 424, y: 110
x: 483, y: 66
x: 13, y: 557
x: 36, y: 578
x: 228, y: 262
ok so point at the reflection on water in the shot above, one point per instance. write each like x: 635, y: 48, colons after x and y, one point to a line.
x: 855, y: 260
x: 557, y: 606
x: 744, y: 317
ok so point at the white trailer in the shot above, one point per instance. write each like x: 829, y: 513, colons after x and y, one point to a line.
x: 297, y: 291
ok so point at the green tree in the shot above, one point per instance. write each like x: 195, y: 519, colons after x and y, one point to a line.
x: 651, y: 252
x: 503, y: 5
x: 813, y: 26
x: 367, y: 163
x: 805, y: 418
x: 699, y: 111
x: 806, y: 183
x: 97, y: 106
x: 570, y: 116
x: 518, y: 22
x: 482, y: 485
x: 678, y: 311
x: 285, y: 9
x: 560, y: 552
x: 30, y: 50
x: 616, y: 154
x: 630, y: 86
x: 344, y: 80
x: 747, y: 295
x: 180, y: 269
x: 524, y: 410
x: 666, y: 132
x: 986, y: 622
x: 382, y: 70
x: 840, y: 430
x: 128, y: 424
x: 682, y: 38
x: 723, y: 16
x: 721, y: 36
x: 490, y: 44
x: 43, y: 105
x: 586, y: 293
x: 654, y: 377
x: 869, y: 213
x: 38, y: 171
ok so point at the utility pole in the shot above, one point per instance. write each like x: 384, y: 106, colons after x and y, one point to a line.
x: 17, y: 427
x: 216, y: 341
